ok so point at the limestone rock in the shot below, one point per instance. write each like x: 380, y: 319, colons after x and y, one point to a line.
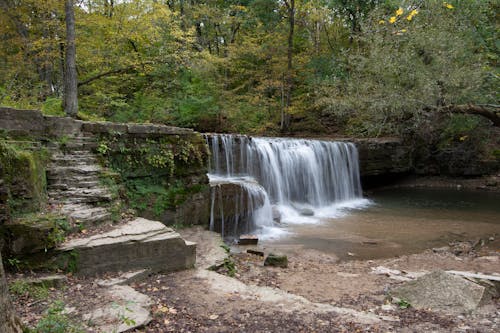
x: 442, y: 291
x: 139, y: 244
x: 128, y: 310
x: 276, y: 260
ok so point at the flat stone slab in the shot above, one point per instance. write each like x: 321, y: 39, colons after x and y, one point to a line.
x: 138, y: 244
x: 127, y: 310
x: 442, y: 291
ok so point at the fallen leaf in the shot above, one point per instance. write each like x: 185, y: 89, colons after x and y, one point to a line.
x: 213, y: 317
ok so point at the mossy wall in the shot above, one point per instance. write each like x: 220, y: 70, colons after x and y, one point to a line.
x: 22, y: 172
x: 163, y: 175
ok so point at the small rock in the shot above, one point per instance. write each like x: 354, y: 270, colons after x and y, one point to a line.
x: 256, y: 252
x: 443, y: 249
x: 276, y: 214
x: 306, y: 212
x: 351, y: 254
x: 213, y: 317
x: 276, y: 260
x: 248, y: 240
x: 50, y: 281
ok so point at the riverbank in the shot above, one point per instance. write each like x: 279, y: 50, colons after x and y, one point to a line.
x: 316, y: 292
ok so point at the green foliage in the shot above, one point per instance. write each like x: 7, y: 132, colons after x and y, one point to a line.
x: 156, y: 196
x: 461, y: 128
x: 403, y: 304
x: 23, y: 288
x: 405, y: 69
x: 53, y: 107
x: 223, y: 65
x: 14, y: 263
x: 72, y: 261
x: 55, y: 321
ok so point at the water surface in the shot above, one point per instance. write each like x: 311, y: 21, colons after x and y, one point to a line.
x: 399, y: 221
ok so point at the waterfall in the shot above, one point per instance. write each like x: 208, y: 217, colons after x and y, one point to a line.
x: 299, y: 177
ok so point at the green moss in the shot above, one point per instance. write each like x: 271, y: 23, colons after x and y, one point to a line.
x: 23, y: 171
x: 164, y: 156
x: 34, y: 232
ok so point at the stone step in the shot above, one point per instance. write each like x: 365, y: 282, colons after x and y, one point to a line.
x: 74, y: 184
x: 69, y: 180
x: 59, y: 171
x: 90, y: 219
x: 138, y: 244
x: 70, y: 158
x: 77, y: 199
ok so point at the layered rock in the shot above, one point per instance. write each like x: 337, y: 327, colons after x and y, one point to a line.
x: 139, y: 244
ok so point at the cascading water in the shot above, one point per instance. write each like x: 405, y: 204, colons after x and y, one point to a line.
x: 300, y: 178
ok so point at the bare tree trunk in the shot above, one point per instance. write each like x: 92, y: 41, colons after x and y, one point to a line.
x: 290, y: 5
x: 70, y: 101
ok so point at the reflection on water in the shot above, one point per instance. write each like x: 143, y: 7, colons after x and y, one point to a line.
x: 401, y: 221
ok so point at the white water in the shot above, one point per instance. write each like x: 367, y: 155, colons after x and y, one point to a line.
x: 305, y: 180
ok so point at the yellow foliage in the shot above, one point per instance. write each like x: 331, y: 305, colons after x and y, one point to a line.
x: 381, y: 22
x: 392, y: 19
x: 448, y: 5
x: 412, y: 14
x: 399, y: 12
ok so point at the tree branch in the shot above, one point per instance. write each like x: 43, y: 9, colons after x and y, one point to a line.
x: 129, y: 69
x: 482, y: 110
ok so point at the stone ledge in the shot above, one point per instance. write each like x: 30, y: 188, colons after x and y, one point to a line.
x: 139, y: 244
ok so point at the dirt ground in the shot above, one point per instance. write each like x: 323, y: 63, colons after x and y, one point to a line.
x: 315, y: 293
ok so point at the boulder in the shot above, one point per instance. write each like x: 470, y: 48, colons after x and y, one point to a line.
x: 276, y: 260
x: 138, y: 244
x: 442, y: 291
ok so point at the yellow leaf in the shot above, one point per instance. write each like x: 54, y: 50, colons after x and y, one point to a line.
x: 381, y: 22
x: 447, y: 5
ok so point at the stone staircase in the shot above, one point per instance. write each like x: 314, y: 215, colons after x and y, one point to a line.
x: 73, y: 182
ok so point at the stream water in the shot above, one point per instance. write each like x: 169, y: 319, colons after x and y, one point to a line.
x: 400, y: 221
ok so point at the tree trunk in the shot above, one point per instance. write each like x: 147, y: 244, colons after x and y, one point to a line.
x: 70, y: 102
x: 8, y: 322
x: 290, y: 4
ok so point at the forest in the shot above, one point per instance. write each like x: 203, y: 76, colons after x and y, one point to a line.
x: 362, y: 68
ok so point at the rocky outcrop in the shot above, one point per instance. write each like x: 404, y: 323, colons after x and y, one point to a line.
x: 139, y: 244
x: 383, y: 156
x: 233, y: 205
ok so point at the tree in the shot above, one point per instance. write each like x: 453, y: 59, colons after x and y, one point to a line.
x: 70, y: 102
